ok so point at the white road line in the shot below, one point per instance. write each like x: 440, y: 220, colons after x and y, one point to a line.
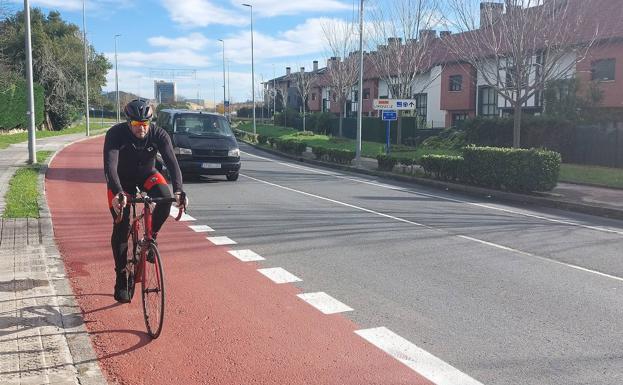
x: 185, y: 217
x: 482, y: 205
x: 279, y: 275
x: 340, y: 203
x: 435, y: 229
x: 541, y: 258
x: 201, y: 228
x: 421, y: 361
x: 220, y: 241
x: 324, y: 302
x: 246, y: 255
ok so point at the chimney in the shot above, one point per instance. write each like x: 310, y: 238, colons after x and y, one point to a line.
x: 511, y: 5
x: 332, y: 60
x: 288, y: 71
x: 443, y: 34
x: 428, y: 34
x: 302, y: 69
x: 315, y: 65
x: 490, y: 13
x: 394, y: 41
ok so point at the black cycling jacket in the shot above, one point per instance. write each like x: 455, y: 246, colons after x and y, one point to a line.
x: 129, y: 160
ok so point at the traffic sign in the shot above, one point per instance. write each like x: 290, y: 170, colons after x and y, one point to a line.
x: 390, y: 115
x: 394, y: 104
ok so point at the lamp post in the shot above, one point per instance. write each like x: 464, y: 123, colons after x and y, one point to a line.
x: 224, y: 89
x: 32, y: 159
x: 117, y: 82
x: 228, y: 92
x: 252, y: 69
x: 360, y: 96
x: 86, y: 67
x: 274, y: 95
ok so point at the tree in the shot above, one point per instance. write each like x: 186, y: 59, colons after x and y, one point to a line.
x: 57, y: 63
x: 342, y: 68
x: 402, y: 35
x: 304, y: 83
x: 519, y: 51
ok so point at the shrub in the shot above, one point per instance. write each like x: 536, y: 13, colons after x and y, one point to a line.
x: 319, y: 152
x: 386, y: 162
x: 444, y: 167
x: 262, y: 139
x: 341, y: 156
x: 511, y: 169
x: 290, y: 146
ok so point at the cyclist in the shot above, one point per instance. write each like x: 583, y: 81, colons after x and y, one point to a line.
x: 130, y: 150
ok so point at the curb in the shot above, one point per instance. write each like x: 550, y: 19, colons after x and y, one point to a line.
x: 479, y: 192
x: 79, y: 343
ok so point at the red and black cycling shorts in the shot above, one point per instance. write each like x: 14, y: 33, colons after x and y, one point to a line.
x: 153, y: 180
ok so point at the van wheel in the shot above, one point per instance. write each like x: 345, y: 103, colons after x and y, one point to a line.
x: 232, y: 177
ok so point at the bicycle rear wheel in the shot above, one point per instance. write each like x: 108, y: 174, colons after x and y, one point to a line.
x: 152, y: 293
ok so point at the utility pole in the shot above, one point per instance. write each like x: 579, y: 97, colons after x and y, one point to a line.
x: 224, y: 88
x: 117, y: 81
x: 360, y: 96
x: 228, y: 91
x: 32, y: 157
x: 86, y: 67
x: 252, y: 70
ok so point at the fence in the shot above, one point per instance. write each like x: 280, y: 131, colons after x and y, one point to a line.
x: 374, y: 130
x: 600, y: 145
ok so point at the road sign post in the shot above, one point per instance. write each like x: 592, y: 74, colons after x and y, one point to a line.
x: 388, y: 116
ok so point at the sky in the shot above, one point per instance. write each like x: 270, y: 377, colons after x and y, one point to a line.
x: 162, y: 35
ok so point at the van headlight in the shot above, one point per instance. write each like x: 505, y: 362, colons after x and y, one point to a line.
x: 235, y: 152
x: 182, y: 151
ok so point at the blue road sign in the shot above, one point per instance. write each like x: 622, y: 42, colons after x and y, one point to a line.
x: 390, y: 115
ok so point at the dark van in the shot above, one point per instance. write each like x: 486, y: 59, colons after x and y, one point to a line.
x: 203, y: 142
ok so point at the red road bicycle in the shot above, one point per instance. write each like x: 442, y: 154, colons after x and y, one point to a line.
x: 144, y: 263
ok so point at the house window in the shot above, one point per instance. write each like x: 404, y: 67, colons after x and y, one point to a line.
x: 421, y: 101
x: 313, y: 96
x: 603, y: 70
x: 366, y: 93
x: 456, y: 83
x: 458, y: 118
x: 487, y: 102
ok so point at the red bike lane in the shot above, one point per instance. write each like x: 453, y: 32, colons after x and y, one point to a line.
x: 225, y: 323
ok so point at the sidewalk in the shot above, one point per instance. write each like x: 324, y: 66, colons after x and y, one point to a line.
x: 42, y: 336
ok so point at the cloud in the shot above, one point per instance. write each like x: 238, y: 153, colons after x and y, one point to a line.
x: 182, y: 57
x: 194, y: 41
x: 304, y: 39
x: 201, y: 13
x: 271, y: 8
x: 76, y: 5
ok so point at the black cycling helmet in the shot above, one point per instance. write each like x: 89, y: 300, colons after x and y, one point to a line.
x: 138, y: 109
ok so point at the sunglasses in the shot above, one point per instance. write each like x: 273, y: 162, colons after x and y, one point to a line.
x: 137, y: 123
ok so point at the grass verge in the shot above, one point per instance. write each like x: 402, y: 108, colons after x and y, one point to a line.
x: 22, y: 196
x: 594, y: 175
x: 7, y: 139
x: 368, y: 149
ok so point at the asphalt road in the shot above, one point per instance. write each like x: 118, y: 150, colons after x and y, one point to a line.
x: 506, y: 295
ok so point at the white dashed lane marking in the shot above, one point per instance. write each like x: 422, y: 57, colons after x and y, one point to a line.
x: 220, y: 241
x: 185, y: 217
x: 421, y: 361
x: 279, y: 275
x: 324, y: 302
x: 246, y: 255
x: 201, y: 228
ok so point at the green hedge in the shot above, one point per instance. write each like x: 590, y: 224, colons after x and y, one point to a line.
x: 386, y: 162
x: 335, y: 155
x: 289, y: 146
x: 511, y: 169
x: 444, y: 167
x: 14, y: 105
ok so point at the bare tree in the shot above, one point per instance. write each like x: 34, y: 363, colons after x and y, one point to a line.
x: 342, y: 68
x: 403, y: 37
x: 305, y: 81
x: 519, y: 47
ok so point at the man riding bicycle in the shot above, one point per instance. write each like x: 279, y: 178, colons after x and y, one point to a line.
x: 130, y: 150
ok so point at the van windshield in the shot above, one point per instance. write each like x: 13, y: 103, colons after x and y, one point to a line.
x: 200, y: 124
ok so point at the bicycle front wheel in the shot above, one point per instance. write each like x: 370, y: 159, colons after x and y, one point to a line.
x: 152, y: 293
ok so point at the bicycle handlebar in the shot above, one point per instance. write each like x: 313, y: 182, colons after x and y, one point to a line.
x: 146, y: 199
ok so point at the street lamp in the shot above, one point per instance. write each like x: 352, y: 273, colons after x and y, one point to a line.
x: 360, y: 96
x: 86, y: 66
x: 32, y: 159
x: 117, y: 82
x: 224, y: 89
x: 252, y: 69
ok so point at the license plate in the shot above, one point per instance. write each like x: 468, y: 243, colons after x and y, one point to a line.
x: 211, y: 165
